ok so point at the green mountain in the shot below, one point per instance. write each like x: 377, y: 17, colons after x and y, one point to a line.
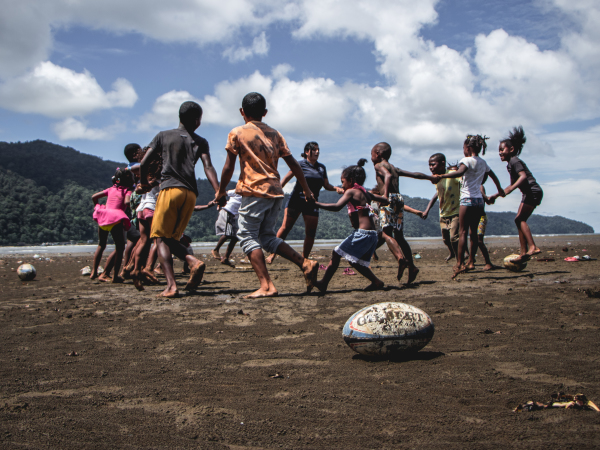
x: 46, y: 189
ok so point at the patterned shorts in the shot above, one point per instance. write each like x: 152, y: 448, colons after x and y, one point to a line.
x: 392, y: 214
x: 482, y: 225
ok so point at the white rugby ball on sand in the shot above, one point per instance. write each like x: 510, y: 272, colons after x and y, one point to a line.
x: 387, y: 329
x: 26, y: 272
x: 514, y: 266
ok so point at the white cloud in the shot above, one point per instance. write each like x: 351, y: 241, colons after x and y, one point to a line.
x: 260, y: 46
x: 59, y: 92
x: 71, y: 129
x: 165, y: 111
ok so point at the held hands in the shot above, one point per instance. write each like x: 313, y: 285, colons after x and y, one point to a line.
x: 309, y: 196
x: 339, y: 190
x: 501, y: 192
x: 419, y: 213
x: 424, y: 215
x: 435, y: 179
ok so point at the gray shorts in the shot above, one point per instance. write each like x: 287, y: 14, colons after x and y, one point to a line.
x: 226, y: 224
x: 257, y: 220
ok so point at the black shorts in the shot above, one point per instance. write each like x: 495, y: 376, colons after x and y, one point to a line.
x: 532, y: 198
x: 133, y: 234
x: 295, y: 203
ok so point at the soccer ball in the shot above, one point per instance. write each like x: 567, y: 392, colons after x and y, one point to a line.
x: 514, y: 266
x: 26, y: 272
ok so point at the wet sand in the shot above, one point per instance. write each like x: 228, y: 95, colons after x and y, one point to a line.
x: 86, y: 364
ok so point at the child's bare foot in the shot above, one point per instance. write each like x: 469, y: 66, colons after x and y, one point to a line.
x: 535, y: 251
x: 310, y: 269
x: 117, y: 280
x: 93, y: 276
x: 137, y: 280
x: 320, y: 285
x: 196, y: 273
x: 125, y: 274
x: 521, y: 258
x: 158, y: 271
x: 215, y: 254
x: 270, y: 258
x: 227, y: 262
x: 106, y: 279
x: 374, y: 286
x: 412, y: 274
x: 458, y: 269
x: 375, y: 257
x: 263, y: 293
x: 149, y: 276
x: 402, y: 265
x: 489, y: 267
x: 169, y: 293
x: 470, y: 266
x: 449, y: 257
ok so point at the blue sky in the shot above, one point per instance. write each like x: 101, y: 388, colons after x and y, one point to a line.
x: 96, y: 75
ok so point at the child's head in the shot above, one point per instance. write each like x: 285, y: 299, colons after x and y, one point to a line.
x: 254, y: 106
x: 453, y: 166
x: 381, y: 152
x: 130, y: 152
x: 354, y: 174
x: 123, y: 178
x: 311, y: 148
x: 513, y: 144
x: 190, y: 115
x: 437, y: 164
x: 475, y: 144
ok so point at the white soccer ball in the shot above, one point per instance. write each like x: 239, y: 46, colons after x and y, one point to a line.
x: 26, y: 272
x: 514, y: 266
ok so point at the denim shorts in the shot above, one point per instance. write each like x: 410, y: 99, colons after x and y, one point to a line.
x: 474, y: 202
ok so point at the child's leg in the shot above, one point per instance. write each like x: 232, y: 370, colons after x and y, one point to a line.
x: 215, y: 253
x: 485, y: 253
x: 102, y: 237
x: 366, y: 272
x: 331, y: 268
x: 197, y: 267
x: 474, y: 217
x: 166, y: 261
x: 528, y: 247
x: 462, y: 239
x: 119, y: 237
x: 150, y: 262
x: 267, y: 288
x: 225, y: 259
x: 413, y: 271
x: 289, y: 219
x: 310, y: 232
x: 139, y: 253
x: 108, y: 267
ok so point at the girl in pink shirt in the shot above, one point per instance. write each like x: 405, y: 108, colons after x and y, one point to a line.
x: 111, y: 218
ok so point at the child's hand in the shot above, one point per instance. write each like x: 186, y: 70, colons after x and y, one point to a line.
x: 309, y: 196
x: 501, y: 192
x: 339, y: 190
x: 424, y: 215
x: 435, y: 179
x: 419, y: 213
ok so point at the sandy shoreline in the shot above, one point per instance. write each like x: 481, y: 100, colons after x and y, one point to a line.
x: 91, y: 365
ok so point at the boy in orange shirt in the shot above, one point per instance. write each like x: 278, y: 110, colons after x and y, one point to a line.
x: 259, y: 147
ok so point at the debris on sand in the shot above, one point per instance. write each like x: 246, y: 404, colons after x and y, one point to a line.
x: 560, y: 400
x: 86, y: 271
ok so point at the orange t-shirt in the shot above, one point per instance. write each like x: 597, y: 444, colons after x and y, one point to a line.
x: 259, y: 147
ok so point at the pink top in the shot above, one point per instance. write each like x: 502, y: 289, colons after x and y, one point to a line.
x: 351, y: 207
x: 114, y: 210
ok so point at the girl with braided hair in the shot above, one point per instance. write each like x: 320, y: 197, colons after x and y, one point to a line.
x: 472, y: 169
x: 521, y: 178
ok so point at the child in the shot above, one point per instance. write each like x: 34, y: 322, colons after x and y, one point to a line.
x: 480, y: 235
x: 180, y: 149
x: 390, y: 217
x: 227, y: 227
x: 112, y: 218
x: 448, y: 191
x: 358, y: 248
x: 520, y: 177
x: 260, y: 147
x: 472, y: 169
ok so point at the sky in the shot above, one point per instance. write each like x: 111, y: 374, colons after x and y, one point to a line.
x: 96, y: 75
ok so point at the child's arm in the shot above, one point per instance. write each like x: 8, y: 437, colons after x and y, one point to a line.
x: 456, y: 174
x: 226, y: 175
x: 494, y: 178
x: 329, y: 187
x: 522, y: 179
x: 417, y: 175
x: 97, y: 196
x: 378, y: 198
x: 344, y: 199
x: 412, y: 210
x: 429, y: 206
x: 297, y: 171
x: 288, y: 176
x: 203, y: 207
x: 127, y: 199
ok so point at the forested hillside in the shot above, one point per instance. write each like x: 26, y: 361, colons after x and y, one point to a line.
x: 46, y: 189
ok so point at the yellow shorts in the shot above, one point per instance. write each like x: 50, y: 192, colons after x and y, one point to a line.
x: 174, y: 209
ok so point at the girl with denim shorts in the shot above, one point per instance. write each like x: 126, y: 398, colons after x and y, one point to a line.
x: 472, y: 169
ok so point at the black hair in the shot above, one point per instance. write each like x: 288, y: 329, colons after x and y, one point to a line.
x: 188, y: 113
x: 384, y: 149
x: 440, y: 157
x: 124, y: 178
x: 130, y: 151
x: 450, y: 165
x: 254, y: 105
x: 516, y: 139
x: 356, y: 174
x: 308, y: 147
x: 477, y: 143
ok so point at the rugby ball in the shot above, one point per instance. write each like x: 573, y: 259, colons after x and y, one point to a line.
x: 26, y: 272
x: 514, y: 266
x: 387, y: 329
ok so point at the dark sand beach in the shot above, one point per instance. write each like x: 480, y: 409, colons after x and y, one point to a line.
x: 85, y: 364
